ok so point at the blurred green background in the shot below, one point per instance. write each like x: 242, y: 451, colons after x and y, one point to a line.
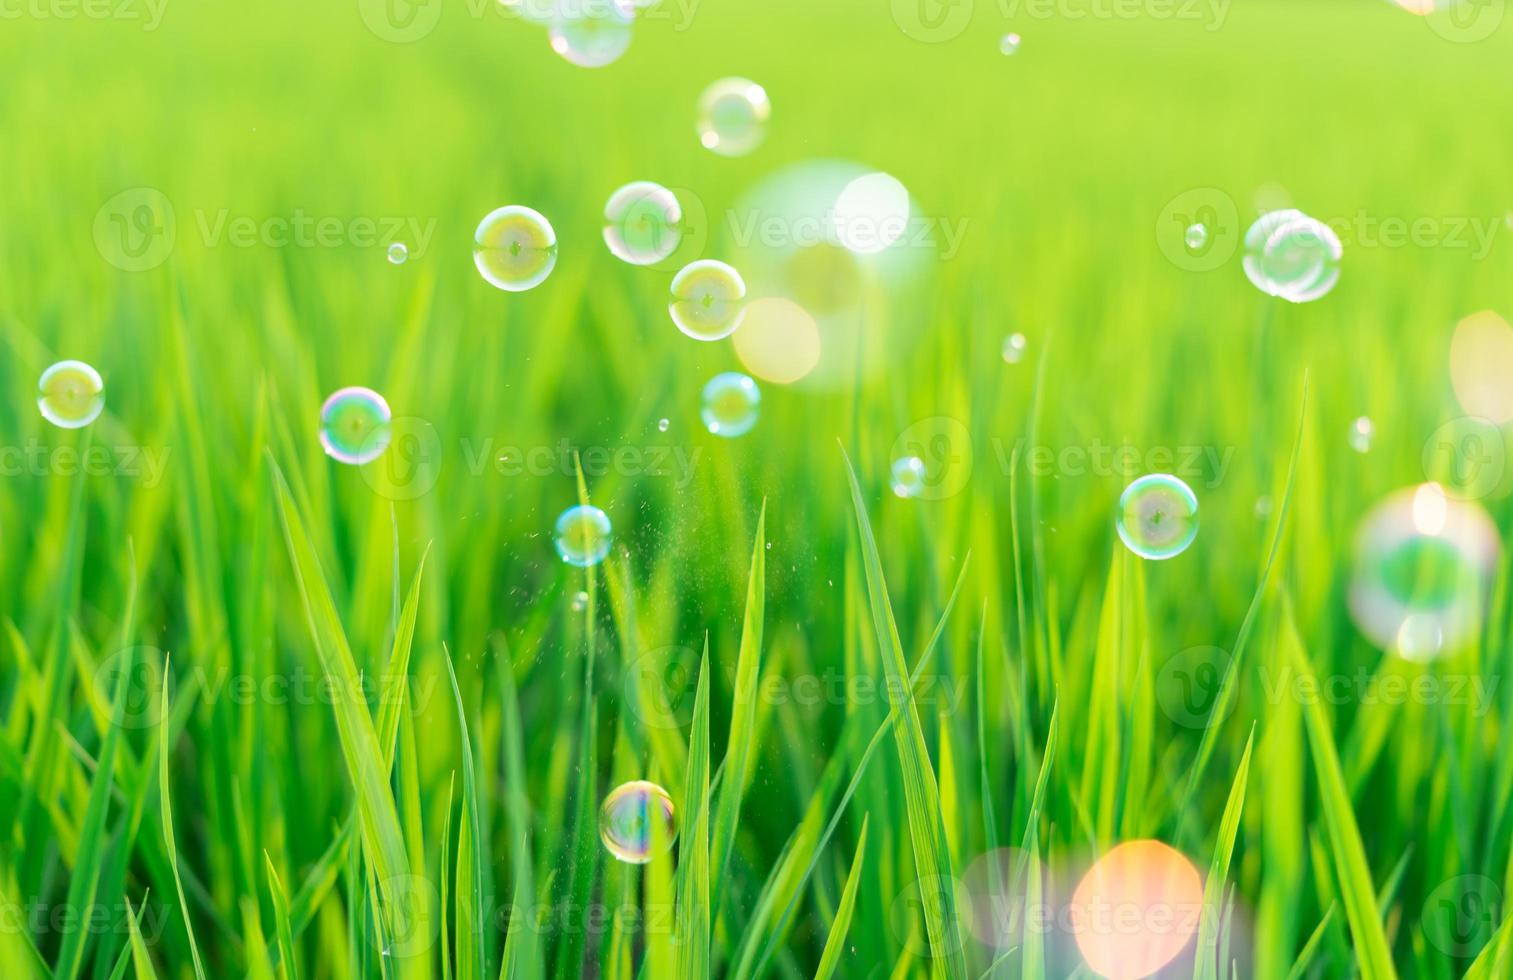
x: 1062, y: 166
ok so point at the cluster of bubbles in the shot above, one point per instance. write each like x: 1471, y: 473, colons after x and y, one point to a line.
x: 70, y: 394
x: 582, y: 535
x: 1291, y: 255
x: 636, y: 822
x: 1158, y: 516
x: 354, y: 425
x: 730, y: 404
x: 1423, y: 568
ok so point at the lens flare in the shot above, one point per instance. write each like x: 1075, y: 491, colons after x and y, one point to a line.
x: 1136, y: 909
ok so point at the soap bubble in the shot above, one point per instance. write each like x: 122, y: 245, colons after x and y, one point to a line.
x: 730, y: 404
x: 636, y: 821
x: 70, y: 394
x: 592, y: 33
x: 732, y: 116
x: 708, y: 300
x: 642, y: 223
x: 583, y: 535
x: 908, y: 476
x: 1158, y: 516
x: 397, y: 253
x: 515, y: 248
x: 354, y: 425
x: 1291, y: 255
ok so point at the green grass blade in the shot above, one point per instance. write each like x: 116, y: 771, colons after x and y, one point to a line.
x: 835, y: 944
x: 692, y: 879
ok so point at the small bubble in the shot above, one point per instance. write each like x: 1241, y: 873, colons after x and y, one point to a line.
x: 1263, y: 507
x: 732, y: 116
x: 1009, y: 44
x: 593, y: 33
x: 643, y: 223
x: 1291, y: 255
x: 908, y: 477
x: 1361, y: 433
x: 398, y: 253
x: 631, y: 816
x: 730, y: 404
x: 663, y: 425
x: 1195, y: 237
x: 708, y: 300
x: 582, y: 535
x: 515, y: 248
x: 1014, y: 346
x: 580, y: 601
x: 70, y: 394
x: 1158, y: 516
x: 354, y: 425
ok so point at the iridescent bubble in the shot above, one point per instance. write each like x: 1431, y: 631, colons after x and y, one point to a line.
x: 1008, y: 44
x: 582, y: 535
x: 1158, y: 516
x: 730, y: 404
x: 1361, y: 433
x: 1014, y: 346
x: 708, y: 300
x: 70, y: 394
x: 733, y: 115
x: 354, y: 425
x: 1195, y: 237
x: 643, y: 223
x: 592, y: 33
x: 1423, y: 569
x: 908, y: 477
x: 663, y: 425
x: 397, y: 253
x: 515, y: 248
x: 636, y: 821
x: 1136, y: 909
x: 1291, y: 255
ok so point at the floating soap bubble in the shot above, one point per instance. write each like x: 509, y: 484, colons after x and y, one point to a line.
x: 1008, y: 44
x: 1158, y: 516
x: 592, y: 33
x: 636, y: 821
x: 1362, y: 430
x: 1014, y: 346
x: 733, y: 115
x: 515, y: 248
x: 908, y: 477
x: 1291, y: 255
x: 708, y: 299
x: 70, y: 394
x: 643, y: 223
x: 663, y: 425
x: 582, y: 535
x: 1136, y: 909
x: 397, y: 253
x: 730, y: 404
x: 354, y: 425
x: 580, y: 601
x: 1423, y: 568
x: 1195, y: 237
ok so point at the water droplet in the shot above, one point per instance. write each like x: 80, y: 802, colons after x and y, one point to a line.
x: 908, y: 477
x: 636, y: 822
x: 1158, y: 516
x: 733, y: 115
x: 708, y: 300
x: 354, y: 425
x: 515, y: 248
x: 592, y: 33
x: 582, y: 535
x: 730, y: 404
x: 1014, y: 346
x: 397, y: 253
x: 1361, y: 433
x: 643, y: 223
x: 70, y: 394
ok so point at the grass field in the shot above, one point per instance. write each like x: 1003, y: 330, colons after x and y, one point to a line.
x: 266, y: 715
